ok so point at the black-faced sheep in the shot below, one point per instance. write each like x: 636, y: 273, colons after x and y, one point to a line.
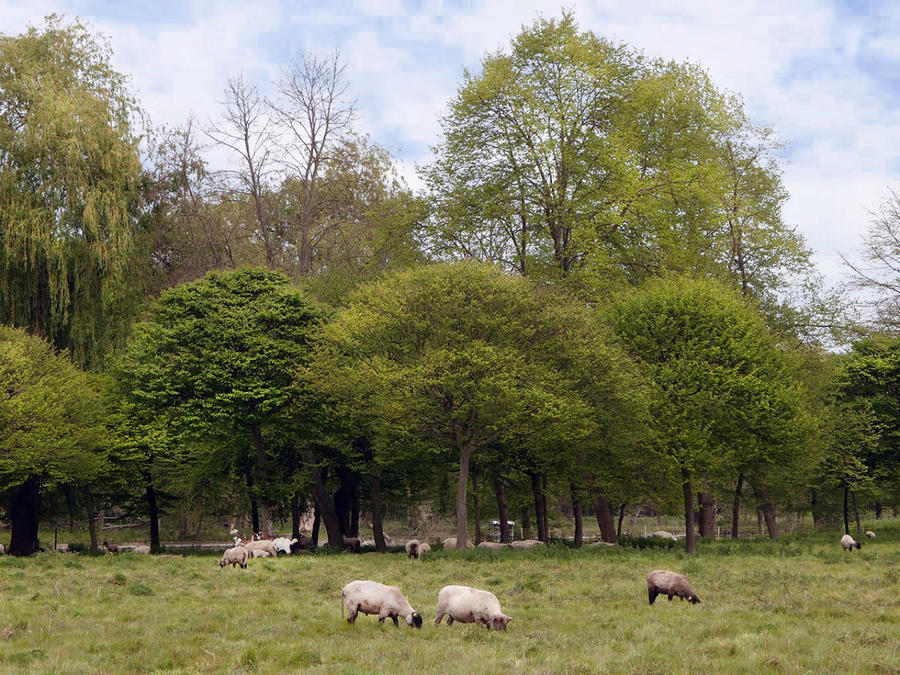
x: 284, y: 545
x: 237, y: 555
x: 470, y: 605
x: 112, y: 548
x: 848, y: 543
x: 371, y: 597
x: 870, y: 534
x: 416, y: 548
x: 670, y: 584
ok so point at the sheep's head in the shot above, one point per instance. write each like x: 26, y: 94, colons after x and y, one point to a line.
x: 499, y: 622
x: 414, y: 620
x: 694, y: 600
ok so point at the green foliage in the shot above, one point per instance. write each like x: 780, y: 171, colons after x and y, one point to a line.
x: 215, y: 361
x: 723, y: 397
x: 68, y: 185
x: 51, y: 416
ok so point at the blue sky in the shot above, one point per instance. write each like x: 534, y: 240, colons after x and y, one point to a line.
x: 825, y: 75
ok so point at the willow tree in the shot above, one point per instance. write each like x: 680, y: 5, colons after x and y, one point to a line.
x: 69, y: 173
x: 51, y: 430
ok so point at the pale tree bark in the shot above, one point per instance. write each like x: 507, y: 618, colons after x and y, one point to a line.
x: 690, y: 539
x: 766, y: 507
x: 605, y: 519
x: 736, y: 506
x: 503, y: 510
x: 476, y: 503
x: 462, y: 515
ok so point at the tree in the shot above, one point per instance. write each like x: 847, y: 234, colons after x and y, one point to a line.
x: 880, y: 270
x: 464, y: 358
x: 721, y: 393
x: 216, y: 358
x: 870, y: 379
x: 51, y: 431
x: 68, y: 188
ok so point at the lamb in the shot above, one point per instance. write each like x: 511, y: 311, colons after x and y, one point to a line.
x: 259, y: 554
x: 450, y: 543
x: 416, y: 549
x: 870, y: 534
x: 470, y: 605
x: 371, y: 597
x: 351, y: 544
x: 493, y: 545
x: 261, y: 545
x: 664, y: 582
x: 237, y: 555
x: 284, y: 545
x: 662, y: 534
x: 848, y: 543
x: 112, y: 548
x: 526, y: 543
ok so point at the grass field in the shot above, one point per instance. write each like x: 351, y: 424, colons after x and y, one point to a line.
x: 798, y: 604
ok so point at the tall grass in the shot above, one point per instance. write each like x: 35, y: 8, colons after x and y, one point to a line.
x: 797, y: 604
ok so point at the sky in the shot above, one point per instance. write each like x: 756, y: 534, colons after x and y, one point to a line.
x: 824, y: 74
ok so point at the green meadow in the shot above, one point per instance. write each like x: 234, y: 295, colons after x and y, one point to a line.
x: 798, y: 604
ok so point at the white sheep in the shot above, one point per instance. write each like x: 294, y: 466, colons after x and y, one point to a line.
x: 870, y: 534
x: 142, y: 549
x: 371, y: 597
x: 237, y: 555
x: 848, y: 543
x: 450, y: 543
x: 662, y: 534
x: 526, y: 543
x: 493, y: 545
x: 2, y: 549
x: 261, y: 545
x: 416, y: 548
x: 470, y: 605
x: 259, y: 554
x: 424, y: 548
x: 284, y: 545
x: 664, y: 582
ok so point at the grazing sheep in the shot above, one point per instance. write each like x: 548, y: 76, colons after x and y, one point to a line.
x: 143, y: 549
x: 526, y: 543
x: 370, y: 597
x: 470, y: 605
x: 2, y: 549
x: 493, y: 545
x: 664, y: 582
x: 112, y: 548
x: 450, y: 542
x: 302, y: 544
x: 848, y: 543
x: 870, y: 534
x: 259, y: 554
x: 424, y: 548
x: 284, y: 545
x: 237, y: 555
x: 352, y: 544
x: 662, y: 534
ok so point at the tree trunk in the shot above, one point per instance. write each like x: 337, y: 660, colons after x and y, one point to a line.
x: 476, y: 503
x: 707, y: 514
x: 254, y: 514
x: 377, y: 516
x: 153, y: 510
x: 295, y: 515
x: 544, y: 517
x: 768, y: 511
x: 92, y: 520
x: 736, y: 506
x: 621, y: 518
x: 814, y: 506
x: 503, y: 510
x: 605, y: 518
x: 317, y: 522
x: 846, y: 513
x: 24, y: 511
x: 690, y: 539
x: 536, y: 491
x: 878, y: 509
x: 526, y: 523
x: 264, y: 508
x: 576, y: 511
x: 462, y: 514
x: 324, y: 503
x: 856, y: 514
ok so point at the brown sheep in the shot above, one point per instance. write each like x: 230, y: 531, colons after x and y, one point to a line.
x: 670, y: 584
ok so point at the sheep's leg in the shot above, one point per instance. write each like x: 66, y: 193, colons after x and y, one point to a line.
x: 396, y: 623
x: 449, y: 620
x: 352, y: 612
x: 652, y: 592
x: 437, y: 619
x: 670, y: 597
